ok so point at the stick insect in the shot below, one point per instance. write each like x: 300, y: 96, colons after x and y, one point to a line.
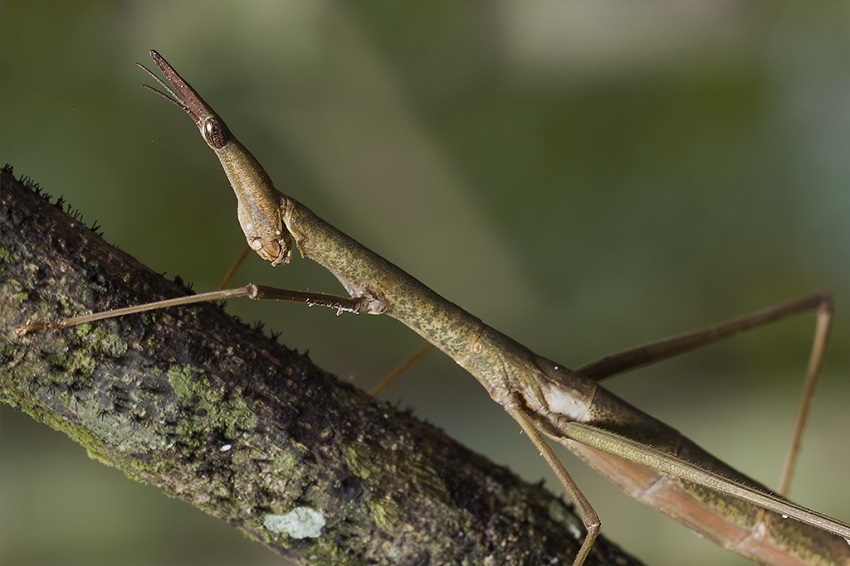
x: 646, y: 458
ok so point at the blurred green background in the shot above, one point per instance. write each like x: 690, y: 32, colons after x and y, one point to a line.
x: 583, y: 176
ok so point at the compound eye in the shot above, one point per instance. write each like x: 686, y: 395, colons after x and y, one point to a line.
x: 215, y: 133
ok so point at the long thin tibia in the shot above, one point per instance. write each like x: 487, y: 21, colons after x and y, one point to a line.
x: 423, y: 349
x: 240, y: 259
x: 822, y: 330
x: 251, y: 291
x: 664, y: 349
x: 585, y: 510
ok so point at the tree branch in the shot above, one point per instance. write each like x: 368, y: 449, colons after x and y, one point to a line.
x: 214, y: 413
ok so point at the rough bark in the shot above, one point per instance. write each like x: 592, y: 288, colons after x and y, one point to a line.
x: 215, y: 413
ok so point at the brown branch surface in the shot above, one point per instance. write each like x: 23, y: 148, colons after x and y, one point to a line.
x: 214, y: 413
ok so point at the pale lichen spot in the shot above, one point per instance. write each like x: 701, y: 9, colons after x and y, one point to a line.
x: 301, y: 522
x: 256, y: 244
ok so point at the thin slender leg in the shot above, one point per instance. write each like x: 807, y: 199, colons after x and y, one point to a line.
x: 585, y: 510
x: 240, y: 259
x: 664, y: 349
x: 670, y: 347
x: 257, y: 292
x: 822, y: 331
x: 405, y: 364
